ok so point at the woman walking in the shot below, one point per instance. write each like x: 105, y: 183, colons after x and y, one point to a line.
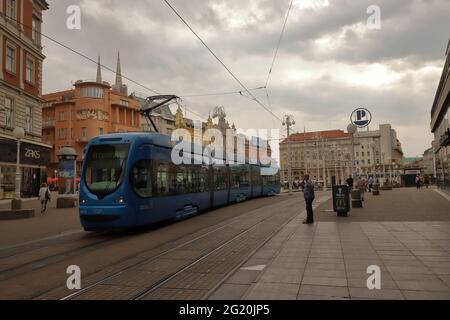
x: 44, y: 196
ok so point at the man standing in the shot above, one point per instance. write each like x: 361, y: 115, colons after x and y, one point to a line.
x: 350, y: 182
x: 308, y: 193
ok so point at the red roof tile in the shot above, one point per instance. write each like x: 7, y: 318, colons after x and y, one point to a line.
x: 330, y: 134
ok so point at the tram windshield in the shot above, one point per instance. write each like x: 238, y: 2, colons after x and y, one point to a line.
x: 105, y: 166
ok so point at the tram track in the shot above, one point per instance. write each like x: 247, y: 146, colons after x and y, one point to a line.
x: 43, y: 275
x: 92, y: 290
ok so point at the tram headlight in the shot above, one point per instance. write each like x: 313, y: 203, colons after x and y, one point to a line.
x: 120, y: 200
x: 84, y: 201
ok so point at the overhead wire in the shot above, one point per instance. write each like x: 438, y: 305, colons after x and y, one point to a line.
x: 220, y: 61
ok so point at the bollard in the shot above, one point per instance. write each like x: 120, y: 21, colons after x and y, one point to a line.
x: 376, y: 190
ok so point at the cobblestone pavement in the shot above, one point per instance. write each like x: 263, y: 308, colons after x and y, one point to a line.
x: 329, y: 260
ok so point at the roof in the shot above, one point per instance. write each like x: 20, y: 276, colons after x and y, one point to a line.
x: 330, y: 134
x: 164, y: 110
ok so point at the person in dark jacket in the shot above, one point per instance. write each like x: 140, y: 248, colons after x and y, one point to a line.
x: 308, y: 193
x: 350, y: 182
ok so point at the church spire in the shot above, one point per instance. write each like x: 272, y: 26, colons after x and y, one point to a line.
x: 118, y: 84
x: 99, y: 71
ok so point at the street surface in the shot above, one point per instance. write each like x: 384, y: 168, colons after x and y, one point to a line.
x: 258, y: 249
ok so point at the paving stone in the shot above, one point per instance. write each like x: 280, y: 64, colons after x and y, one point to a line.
x: 422, y: 285
x: 272, y: 291
x: 282, y: 276
x: 385, y: 294
x: 327, y: 291
x: 426, y: 295
x: 322, y: 281
x: 230, y: 292
x: 243, y: 277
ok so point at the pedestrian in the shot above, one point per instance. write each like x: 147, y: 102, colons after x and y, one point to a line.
x: 360, y: 184
x: 44, y: 196
x: 370, y: 183
x: 309, y: 198
x: 418, y: 181
x: 426, y: 180
x: 350, y: 182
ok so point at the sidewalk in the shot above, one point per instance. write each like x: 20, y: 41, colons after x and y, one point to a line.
x: 329, y: 260
x: 53, y: 222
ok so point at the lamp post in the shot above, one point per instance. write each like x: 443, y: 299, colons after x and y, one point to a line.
x: 19, y: 134
x: 288, y: 122
x: 352, y: 130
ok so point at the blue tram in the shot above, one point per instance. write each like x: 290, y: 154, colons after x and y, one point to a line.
x: 128, y: 180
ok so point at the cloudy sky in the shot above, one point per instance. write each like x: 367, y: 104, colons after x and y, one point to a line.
x: 329, y: 62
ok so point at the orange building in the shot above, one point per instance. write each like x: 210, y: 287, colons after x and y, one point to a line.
x: 91, y: 108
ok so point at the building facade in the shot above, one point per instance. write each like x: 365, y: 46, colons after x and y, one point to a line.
x: 21, y: 62
x: 92, y: 108
x: 429, y: 162
x: 440, y: 125
x: 327, y: 154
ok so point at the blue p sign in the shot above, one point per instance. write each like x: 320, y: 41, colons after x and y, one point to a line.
x: 361, y: 117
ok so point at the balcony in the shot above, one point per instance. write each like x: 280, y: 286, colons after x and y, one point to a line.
x: 82, y: 140
x: 48, y: 124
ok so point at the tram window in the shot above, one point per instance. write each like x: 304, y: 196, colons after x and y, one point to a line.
x: 141, y: 178
x: 162, y: 179
x: 220, y: 178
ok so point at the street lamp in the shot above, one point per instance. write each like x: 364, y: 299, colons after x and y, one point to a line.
x: 352, y: 130
x: 19, y: 134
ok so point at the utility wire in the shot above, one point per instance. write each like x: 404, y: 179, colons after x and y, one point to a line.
x: 219, y: 94
x: 279, y: 42
x: 89, y: 59
x: 220, y: 61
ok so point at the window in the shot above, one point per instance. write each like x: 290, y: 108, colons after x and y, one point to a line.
x: 11, y: 9
x: 92, y: 92
x: 141, y: 178
x: 124, y: 103
x: 8, y: 112
x: 162, y: 179
x: 36, y: 36
x: 84, y: 132
x: 220, y: 178
x: 28, y: 119
x: 100, y: 131
x: 71, y: 133
x: 62, y: 133
x: 62, y: 116
x: 10, y: 59
x: 105, y: 165
x: 30, y: 71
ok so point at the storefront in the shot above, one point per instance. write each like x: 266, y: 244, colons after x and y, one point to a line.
x: 443, y: 154
x: 34, y: 157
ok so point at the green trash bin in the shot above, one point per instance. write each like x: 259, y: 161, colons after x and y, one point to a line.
x: 341, y: 200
